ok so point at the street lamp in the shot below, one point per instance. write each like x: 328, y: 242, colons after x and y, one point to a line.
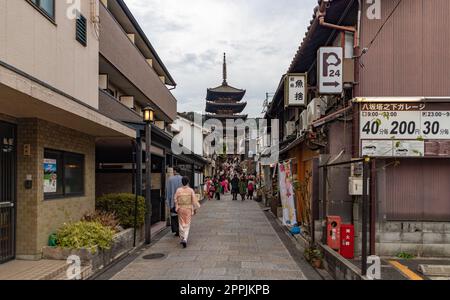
x: 149, y: 118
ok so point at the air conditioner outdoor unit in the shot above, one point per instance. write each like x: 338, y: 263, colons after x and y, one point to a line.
x: 316, y: 109
x: 303, y: 123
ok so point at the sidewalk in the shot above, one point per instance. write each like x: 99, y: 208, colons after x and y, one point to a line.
x: 48, y: 269
x: 33, y: 270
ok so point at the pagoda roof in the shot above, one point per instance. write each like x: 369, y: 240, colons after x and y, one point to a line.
x: 225, y: 91
x: 213, y: 107
x: 225, y: 117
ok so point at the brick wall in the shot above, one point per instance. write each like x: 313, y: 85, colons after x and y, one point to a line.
x: 38, y: 218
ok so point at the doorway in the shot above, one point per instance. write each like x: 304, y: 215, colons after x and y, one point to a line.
x: 7, y: 191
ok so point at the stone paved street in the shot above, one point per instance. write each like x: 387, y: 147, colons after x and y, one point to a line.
x: 230, y: 240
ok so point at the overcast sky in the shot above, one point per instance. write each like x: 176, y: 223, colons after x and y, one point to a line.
x: 260, y: 38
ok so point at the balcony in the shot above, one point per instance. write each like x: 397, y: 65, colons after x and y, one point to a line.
x: 118, y: 50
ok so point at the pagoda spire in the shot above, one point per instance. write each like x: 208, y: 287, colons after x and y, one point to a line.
x: 225, y: 83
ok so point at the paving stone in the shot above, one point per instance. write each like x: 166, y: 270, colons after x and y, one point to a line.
x: 229, y: 240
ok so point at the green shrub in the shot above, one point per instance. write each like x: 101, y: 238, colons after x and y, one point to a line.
x: 122, y: 205
x: 85, y: 235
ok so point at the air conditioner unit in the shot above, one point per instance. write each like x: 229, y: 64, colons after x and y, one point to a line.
x: 316, y: 109
x: 303, y: 123
x: 290, y: 128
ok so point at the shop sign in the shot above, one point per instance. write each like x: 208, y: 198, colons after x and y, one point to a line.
x: 295, y: 90
x: 405, y: 129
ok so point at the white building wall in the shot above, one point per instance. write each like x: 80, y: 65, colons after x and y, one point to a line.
x: 49, y: 52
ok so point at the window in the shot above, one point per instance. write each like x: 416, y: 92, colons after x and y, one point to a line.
x: 45, y: 6
x: 63, y: 174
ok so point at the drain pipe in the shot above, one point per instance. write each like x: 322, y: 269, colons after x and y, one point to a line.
x: 321, y: 14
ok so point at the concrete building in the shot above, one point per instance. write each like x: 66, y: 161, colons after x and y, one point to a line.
x: 71, y: 126
x: 49, y: 121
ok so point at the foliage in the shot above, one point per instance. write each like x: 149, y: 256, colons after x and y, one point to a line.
x: 107, y: 219
x: 122, y: 205
x: 85, y: 235
x: 404, y: 255
x: 313, y: 253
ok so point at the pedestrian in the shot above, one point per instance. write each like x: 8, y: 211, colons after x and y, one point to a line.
x: 208, y: 185
x: 222, y: 185
x: 235, y: 186
x: 186, y: 205
x: 250, y: 188
x: 243, y: 188
x: 173, y: 184
x: 212, y: 189
x: 217, y: 188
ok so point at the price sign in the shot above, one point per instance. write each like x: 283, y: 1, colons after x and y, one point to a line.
x: 405, y: 129
x: 405, y: 125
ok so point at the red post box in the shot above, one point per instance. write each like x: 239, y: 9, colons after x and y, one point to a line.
x: 347, y: 241
x: 334, y: 232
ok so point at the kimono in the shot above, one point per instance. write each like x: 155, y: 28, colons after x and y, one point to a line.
x: 186, y: 203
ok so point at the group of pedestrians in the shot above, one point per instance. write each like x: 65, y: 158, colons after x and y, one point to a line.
x: 239, y: 185
x: 183, y: 201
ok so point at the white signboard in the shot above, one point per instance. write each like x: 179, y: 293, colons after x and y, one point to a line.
x: 414, y: 129
x: 393, y: 148
x: 405, y: 125
x: 295, y: 90
x: 330, y: 77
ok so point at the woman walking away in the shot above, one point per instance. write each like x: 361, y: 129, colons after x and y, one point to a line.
x: 251, y: 188
x: 235, y: 187
x: 243, y: 188
x: 186, y: 205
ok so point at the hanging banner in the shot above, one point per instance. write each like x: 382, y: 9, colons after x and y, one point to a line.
x: 50, y: 176
x: 287, y: 194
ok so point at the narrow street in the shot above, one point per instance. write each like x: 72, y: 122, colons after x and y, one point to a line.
x: 229, y: 240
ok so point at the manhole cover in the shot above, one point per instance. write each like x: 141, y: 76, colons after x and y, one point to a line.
x: 154, y: 256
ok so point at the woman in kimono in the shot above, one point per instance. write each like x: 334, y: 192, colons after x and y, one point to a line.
x: 186, y: 205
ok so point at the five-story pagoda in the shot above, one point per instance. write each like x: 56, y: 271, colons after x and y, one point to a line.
x: 225, y: 102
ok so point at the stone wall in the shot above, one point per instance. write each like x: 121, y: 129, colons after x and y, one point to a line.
x: 38, y: 218
x: 424, y: 239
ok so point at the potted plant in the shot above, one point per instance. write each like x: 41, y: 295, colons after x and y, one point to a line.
x: 314, y: 256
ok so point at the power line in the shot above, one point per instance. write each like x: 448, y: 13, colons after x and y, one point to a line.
x: 382, y: 26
